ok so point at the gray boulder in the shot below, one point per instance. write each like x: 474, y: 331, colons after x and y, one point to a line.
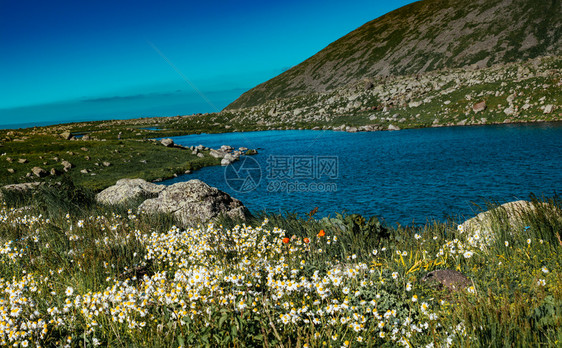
x: 194, y: 202
x: 167, y: 142
x: 39, y: 172
x: 126, y: 189
x: 217, y: 153
x: 21, y: 188
x: 66, y: 165
x: 548, y: 109
x: 512, y: 214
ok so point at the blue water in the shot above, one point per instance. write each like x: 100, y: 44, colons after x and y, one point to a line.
x: 409, y: 176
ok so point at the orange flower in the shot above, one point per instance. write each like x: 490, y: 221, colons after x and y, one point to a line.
x: 286, y: 240
x: 321, y: 233
x: 306, y: 240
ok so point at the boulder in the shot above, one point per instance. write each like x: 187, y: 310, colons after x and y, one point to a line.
x: 548, y: 109
x: 194, y: 202
x: 447, y: 278
x: 167, y: 142
x: 21, y: 188
x: 126, y: 189
x: 22, y: 160
x: 481, y: 106
x: 414, y: 104
x: 392, y: 127
x: 38, y: 172
x: 509, y: 111
x: 217, y: 153
x: 66, y: 135
x: 511, y: 214
x: 66, y: 165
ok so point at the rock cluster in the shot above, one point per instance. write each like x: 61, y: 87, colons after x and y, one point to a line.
x: 191, y: 202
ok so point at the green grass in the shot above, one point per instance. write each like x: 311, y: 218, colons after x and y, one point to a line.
x: 80, y: 273
x: 127, y: 158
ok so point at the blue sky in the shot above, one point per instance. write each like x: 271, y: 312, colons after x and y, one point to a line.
x: 79, y: 60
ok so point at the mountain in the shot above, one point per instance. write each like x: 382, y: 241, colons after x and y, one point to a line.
x: 424, y: 36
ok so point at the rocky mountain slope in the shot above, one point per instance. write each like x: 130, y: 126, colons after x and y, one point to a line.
x: 424, y: 36
x: 529, y: 91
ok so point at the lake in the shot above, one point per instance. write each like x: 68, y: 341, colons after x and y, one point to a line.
x: 407, y: 176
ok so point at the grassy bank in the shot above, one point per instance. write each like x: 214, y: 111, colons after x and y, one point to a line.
x: 78, y: 274
x: 96, y: 164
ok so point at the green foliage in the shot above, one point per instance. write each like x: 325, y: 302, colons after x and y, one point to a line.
x: 66, y: 197
x: 235, y: 285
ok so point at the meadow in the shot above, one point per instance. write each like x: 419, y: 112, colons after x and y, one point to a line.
x: 75, y: 273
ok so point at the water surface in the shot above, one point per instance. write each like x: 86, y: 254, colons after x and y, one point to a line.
x: 405, y: 176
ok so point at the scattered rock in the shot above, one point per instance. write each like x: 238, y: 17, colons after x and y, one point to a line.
x: 481, y: 106
x: 38, y: 171
x: 84, y: 171
x: 548, y: 109
x: 126, y: 189
x: 85, y: 149
x: 167, y: 142
x: 66, y: 135
x: 21, y: 188
x: 106, y: 164
x: 22, y: 160
x: 509, y: 111
x: 54, y: 172
x: 86, y: 137
x: 414, y: 104
x: 66, y: 165
x: 450, y: 279
x: 217, y: 153
x: 194, y: 202
x: 11, y: 170
x: 392, y: 127
x: 9, y: 159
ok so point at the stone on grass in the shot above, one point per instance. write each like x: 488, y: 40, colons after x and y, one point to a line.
x: 194, y: 202
x: 167, y: 142
x: 38, y: 172
x: 127, y: 189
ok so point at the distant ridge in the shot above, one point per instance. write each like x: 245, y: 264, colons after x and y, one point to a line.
x: 424, y: 36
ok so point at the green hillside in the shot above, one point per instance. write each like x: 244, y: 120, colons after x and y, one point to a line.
x: 424, y: 36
